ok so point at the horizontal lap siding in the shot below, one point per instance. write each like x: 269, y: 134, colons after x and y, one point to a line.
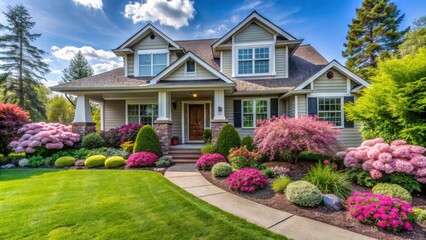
x: 351, y: 137
x: 227, y: 63
x: 201, y: 73
x: 337, y: 84
x: 147, y: 43
x: 177, y: 120
x: 115, y: 113
x: 291, y: 108
x: 130, y: 64
x: 253, y: 33
x: 301, y: 99
x: 281, y: 63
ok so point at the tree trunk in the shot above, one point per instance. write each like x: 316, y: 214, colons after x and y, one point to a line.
x: 21, y: 80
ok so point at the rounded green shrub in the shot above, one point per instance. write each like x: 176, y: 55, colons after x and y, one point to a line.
x: 303, y: 193
x: 147, y: 141
x: 392, y: 190
x: 66, y: 161
x: 92, y: 140
x: 163, y: 162
x: 209, y: 148
x: 281, y: 184
x: 248, y: 142
x: 228, y: 138
x: 221, y: 169
x: 95, y: 161
x: 114, y: 162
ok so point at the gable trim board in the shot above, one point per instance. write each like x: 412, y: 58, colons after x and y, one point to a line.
x: 183, y: 59
x: 247, y: 20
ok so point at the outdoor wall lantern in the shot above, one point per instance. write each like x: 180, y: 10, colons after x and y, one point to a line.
x: 174, y: 104
x: 220, y: 109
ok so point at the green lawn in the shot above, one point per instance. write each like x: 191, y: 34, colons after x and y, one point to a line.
x: 109, y: 204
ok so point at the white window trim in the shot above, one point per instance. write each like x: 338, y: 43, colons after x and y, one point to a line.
x: 268, y: 100
x: 191, y: 74
x: 271, y: 48
x: 138, y: 102
x: 151, y: 51
x: 342, y: 111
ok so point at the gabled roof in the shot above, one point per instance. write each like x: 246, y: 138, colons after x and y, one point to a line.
x: 254, y: 16
x: 201, y: 48
x: 143, y: 33
x: 333, y: 64
x: 183, y: 59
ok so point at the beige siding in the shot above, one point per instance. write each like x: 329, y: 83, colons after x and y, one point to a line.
x: 351, y: 137
x: 115, y: 113
x: 227, y: 63
x: 201, y: 73
x: 148, y: 43
x: 281, y: 107
x: 302, y: 105
x: 281, y: 62
x: 337, y: 84
x: 177, y: 120
x: 291, y: 107
x: 130, y: 64
x: 173, y: 57
x: 253, y: 33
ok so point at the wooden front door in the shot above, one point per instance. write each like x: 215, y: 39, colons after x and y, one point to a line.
x: 196, y: 122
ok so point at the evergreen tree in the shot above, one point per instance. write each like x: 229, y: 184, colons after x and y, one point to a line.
x: 372, y: 35
x: 415, y: 38
x: 23, y: 66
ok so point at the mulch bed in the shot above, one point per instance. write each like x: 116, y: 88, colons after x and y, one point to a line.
x: 340, y: 219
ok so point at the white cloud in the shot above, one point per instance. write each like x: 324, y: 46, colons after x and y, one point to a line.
x: 55, y: 71
x: 210, y: 32
x: 174, y: 13
x: 234, y: 19
x: 103, y: 67
x: 46, y: 60
x: 95, y: 4
x: 68, y: 52
x: 249, y: 6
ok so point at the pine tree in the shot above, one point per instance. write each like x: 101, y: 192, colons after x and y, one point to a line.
x: 373, y: 35
x: 23, y: 66
x: 415, y: 38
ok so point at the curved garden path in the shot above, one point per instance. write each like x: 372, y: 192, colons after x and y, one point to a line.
x: 188, y: 178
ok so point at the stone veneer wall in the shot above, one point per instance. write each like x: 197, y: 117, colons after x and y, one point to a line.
x: 164, y: 132
x: 217, y: 125
x: 83, y: 128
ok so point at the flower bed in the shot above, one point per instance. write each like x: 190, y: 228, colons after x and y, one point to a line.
x: 207, y: 160
x: 247, y: 180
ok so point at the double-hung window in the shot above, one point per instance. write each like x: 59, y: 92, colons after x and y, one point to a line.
x: 142, y: 113
x: 254, y: 110
x: 254, y: 61
x: 150, y: 64
x: 331, y: 109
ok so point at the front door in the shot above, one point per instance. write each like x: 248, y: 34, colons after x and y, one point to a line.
x: 196, y: 122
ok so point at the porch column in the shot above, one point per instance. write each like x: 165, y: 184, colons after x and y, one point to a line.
x: 163, y: 124
x: 219, y: 119
x: 83, y: 123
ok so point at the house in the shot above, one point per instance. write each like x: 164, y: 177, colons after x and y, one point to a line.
x: 255, y: 71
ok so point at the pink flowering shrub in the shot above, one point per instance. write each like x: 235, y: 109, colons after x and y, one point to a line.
x: 207, y: 160
x: 141, y: 159
x: 39, y: 136
x: 128, y: 132
x: 247, y: 180
x: 241, y: 157
x: 293, y: 135
x: 391, y: 214
x: 378, y: 157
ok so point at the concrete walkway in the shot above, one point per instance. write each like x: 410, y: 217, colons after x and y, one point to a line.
x: 187, y: 177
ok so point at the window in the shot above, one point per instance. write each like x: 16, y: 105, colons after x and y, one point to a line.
x: 152, y: 64
x: 142, y: 113
x: 253, y: 60
x: 190, y: 67
x: 254, y: 110
x: 330, y: 109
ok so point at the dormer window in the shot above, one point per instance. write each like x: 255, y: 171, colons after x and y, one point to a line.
x: 254, y: 61
x: 190, y: 68
x: 152, y: 62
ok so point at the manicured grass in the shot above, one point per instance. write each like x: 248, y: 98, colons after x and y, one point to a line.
x: 109, y: 204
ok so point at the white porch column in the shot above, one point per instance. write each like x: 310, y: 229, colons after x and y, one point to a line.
x: 219, y: 104
x: 83, y: 113
x: 164, y: 105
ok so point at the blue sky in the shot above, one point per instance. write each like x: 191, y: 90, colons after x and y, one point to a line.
x: 97, y: 26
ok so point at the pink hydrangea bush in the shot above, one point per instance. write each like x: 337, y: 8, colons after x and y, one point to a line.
x: 207, y: 160
x: 294, y: 135
x: 382, y: 211
x: 44, y: 135
x: 141, y: 159
x: 247, y: 180
x: 378, y: 157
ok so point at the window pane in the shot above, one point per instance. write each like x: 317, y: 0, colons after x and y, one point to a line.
x: 261, y: 66
x: 158, y: 68
x: 261, y: 53
x: 261, y: 106
x: 245, y: 54
x: 245, y: 67
x: 160, y: 59
x: 248, y: 120
x: 145, y: 70
x: 190, y: 66
x: 133, y: 113
x: 247, y: 107
x: 330, y: 109
x: 145, y: 59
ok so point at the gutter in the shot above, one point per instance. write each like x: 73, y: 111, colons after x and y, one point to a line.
x: 295, y: 92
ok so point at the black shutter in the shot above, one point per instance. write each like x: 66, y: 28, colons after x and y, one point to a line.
x: 274, y: 107
x: 348, y: 124
x: 312, y: 106
x: 237, y: 113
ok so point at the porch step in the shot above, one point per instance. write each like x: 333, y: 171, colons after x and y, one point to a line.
x: 185, y: 154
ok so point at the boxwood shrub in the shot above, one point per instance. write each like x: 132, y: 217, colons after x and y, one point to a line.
x: 92, y: 140
x: 392, y: 190
x: 221, y: 169
x: 147, y: 141
x: 303, y: 193
x: 66, y: 161
x: 95, y: 161
x: 114, y: 162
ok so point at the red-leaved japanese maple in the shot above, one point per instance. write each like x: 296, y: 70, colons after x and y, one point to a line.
x: 12, y: 118
x: 284, y: 135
